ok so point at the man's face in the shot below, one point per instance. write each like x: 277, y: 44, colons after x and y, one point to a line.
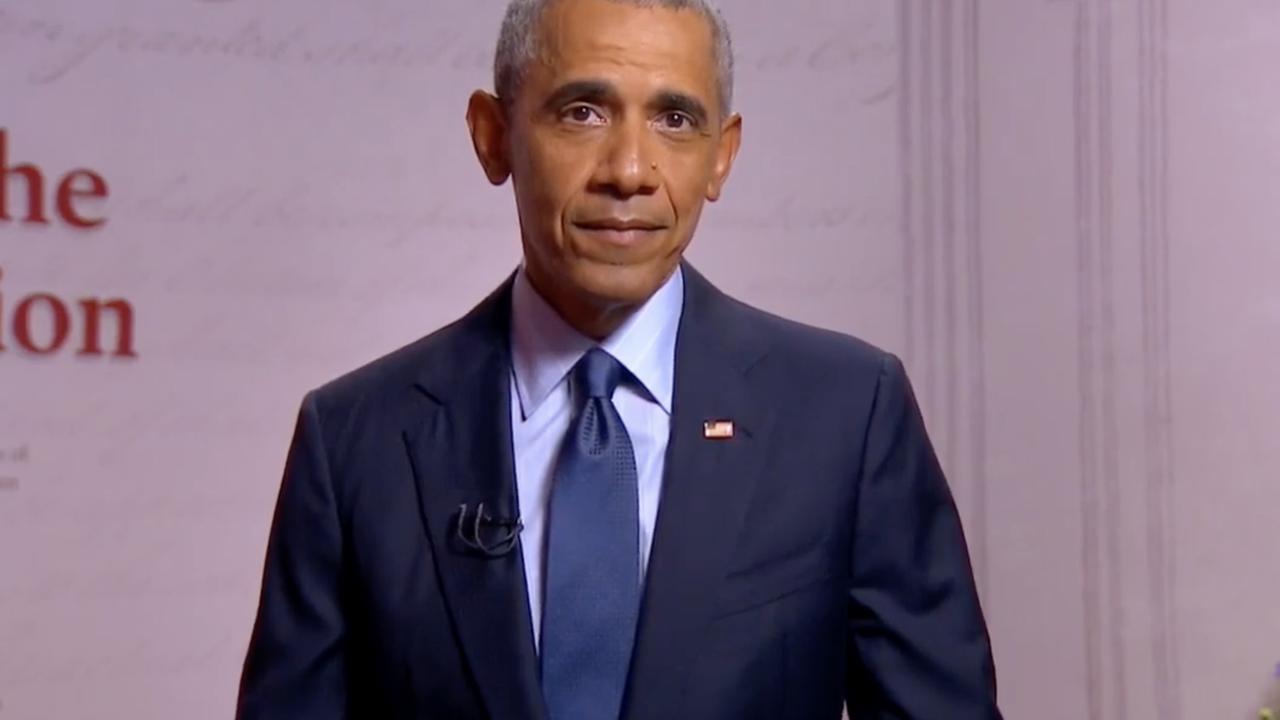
x: 614, y: 143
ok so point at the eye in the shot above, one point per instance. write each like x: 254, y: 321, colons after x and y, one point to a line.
x: 678, y: 121
x: 582, y: 115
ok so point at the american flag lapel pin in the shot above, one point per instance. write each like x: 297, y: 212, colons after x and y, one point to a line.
x: 717, y: 429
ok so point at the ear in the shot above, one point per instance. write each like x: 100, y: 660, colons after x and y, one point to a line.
x: 726, y: 152
x: 488, y: 126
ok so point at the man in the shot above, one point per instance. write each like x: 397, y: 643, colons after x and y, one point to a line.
x: 610, y: 490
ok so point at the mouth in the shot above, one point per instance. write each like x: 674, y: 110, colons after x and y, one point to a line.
x: 617, y: 231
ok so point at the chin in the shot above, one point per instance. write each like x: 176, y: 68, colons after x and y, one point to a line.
x: 620, y: 284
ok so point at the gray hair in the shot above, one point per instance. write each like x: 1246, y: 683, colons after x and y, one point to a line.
x: 517, y: 43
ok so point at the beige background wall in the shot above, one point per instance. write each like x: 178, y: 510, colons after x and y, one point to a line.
x: 1061, y: 214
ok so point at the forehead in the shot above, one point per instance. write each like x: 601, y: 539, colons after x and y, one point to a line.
x: 626, y: 44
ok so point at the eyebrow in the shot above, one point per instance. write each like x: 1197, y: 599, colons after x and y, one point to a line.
x: 591, y: 90
x: 601, y: 91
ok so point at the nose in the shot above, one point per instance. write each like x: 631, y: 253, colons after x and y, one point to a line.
x: 627, y: 161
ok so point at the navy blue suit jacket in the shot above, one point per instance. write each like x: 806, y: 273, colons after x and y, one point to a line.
x: 812, y: 559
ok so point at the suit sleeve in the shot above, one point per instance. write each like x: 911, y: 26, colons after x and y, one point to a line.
x: 918, y: 646
x: 295, y: 664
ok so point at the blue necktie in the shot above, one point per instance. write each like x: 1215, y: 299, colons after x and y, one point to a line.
x: 592, y: 596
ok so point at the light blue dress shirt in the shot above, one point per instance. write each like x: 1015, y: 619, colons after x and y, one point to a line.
x: 544, y: 348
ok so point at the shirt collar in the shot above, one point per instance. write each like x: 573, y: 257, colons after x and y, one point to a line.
x: 544, y: 348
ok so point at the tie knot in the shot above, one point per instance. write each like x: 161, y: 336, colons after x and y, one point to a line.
x: 597, y: 374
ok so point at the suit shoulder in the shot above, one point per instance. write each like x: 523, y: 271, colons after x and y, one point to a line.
x: 811, y: 348
x: 387, y: 376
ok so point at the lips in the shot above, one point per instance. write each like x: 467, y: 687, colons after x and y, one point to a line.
x: 620, y: 225
x: 620, y: 231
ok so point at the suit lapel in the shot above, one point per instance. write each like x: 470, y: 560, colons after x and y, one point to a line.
x: 706, y: 488
x: 461, y: 453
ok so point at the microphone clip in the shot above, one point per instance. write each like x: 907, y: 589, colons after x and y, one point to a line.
x: 481, y: 534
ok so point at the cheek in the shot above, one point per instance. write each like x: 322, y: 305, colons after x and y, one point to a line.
x: 688, y: 193
x: 553, y: 179
x: 689, y: 180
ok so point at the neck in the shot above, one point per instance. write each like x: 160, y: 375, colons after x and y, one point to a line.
x: 594, y: 319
